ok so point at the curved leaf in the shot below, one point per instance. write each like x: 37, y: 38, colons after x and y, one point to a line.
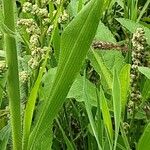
x: 75, y: 42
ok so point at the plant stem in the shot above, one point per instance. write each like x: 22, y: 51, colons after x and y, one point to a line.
x: 12, y: 76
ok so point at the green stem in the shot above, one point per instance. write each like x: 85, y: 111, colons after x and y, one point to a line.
x: 12, y: 76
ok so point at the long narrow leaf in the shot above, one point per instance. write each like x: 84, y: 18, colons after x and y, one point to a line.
x: 101, y: 68
x: 125, y: 84
x: 106, y: 114
x: 144, y: 140
x: 116, y: 93
x: 89, y: 112
x: 75, y: 42
x: 145, y: 71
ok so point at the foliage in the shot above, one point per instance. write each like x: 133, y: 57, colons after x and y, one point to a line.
x: 74, y: 74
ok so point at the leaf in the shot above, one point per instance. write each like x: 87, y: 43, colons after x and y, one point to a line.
x: 77, y: 92
x: 104, y: 34
x: 106, y: 114
x: 124, y: 77
x: 47, y: 82
x: 67, y: 141
x: 89, y: 113
x: 143, y: 10
x: 132, y: 26
x: 112, y: 58
x: 44, y: 142
x: 146, y: 90
x: 101, y: 69
x: 4, y: 137
x: 144, y: 140
x: 75, y: 42
x: 73, y: 8
x: 56, y: 43
x: 145, y: 71
x: 116, y: 94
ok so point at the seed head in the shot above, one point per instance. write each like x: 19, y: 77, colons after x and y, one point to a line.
x: 23, y: 75
x: 34, y: 40
x: 27, y: 7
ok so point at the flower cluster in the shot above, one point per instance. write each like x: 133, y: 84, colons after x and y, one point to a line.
x: 126, y: 127
x: 38, y: 28
x: 44, y: 2
x: 3, y: 67
x: 23, y: 76
x: 138, y: 42
x: 37, y: 54
x: 32, y: 28
x: 34, y: 9
x: 63, y: 17
x: 57, y: 2
x: 27, y: 7
x: 50, y: 29
x: 30, y: 25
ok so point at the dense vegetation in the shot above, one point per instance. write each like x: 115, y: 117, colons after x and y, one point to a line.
x: 74, y: 74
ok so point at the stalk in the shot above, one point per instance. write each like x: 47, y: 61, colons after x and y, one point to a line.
x: 12, y: 75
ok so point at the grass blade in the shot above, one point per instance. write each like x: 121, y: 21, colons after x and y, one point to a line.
x: 143, y: 10
x: 116, y: 94
x: 144, y: 140
x: 106, y: 114
x: 101, y: 68
x: 125, y: 84
x: 68, y: 143
x: 89, y: 112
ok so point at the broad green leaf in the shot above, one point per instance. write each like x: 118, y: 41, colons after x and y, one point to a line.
x: 104, y: 34
x: 132, y: 26
x: 116, y: 94
x: 143, y: 143
x: 145, y: 71
x: 98, y: 64
x: 75, y: 42
x: 73, y: 8
x: 106, y: 114
x: 75, y: 90
x: 112, y: 58
x: 44, y: 142
x: 146, y: 90
x: 47, y: 82
x: 125, y: 84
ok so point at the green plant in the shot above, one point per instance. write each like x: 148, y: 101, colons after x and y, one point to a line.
x: 12, y: 74
x: 74, y: 74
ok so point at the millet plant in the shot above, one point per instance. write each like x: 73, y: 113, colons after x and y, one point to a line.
x: 74, y: 74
